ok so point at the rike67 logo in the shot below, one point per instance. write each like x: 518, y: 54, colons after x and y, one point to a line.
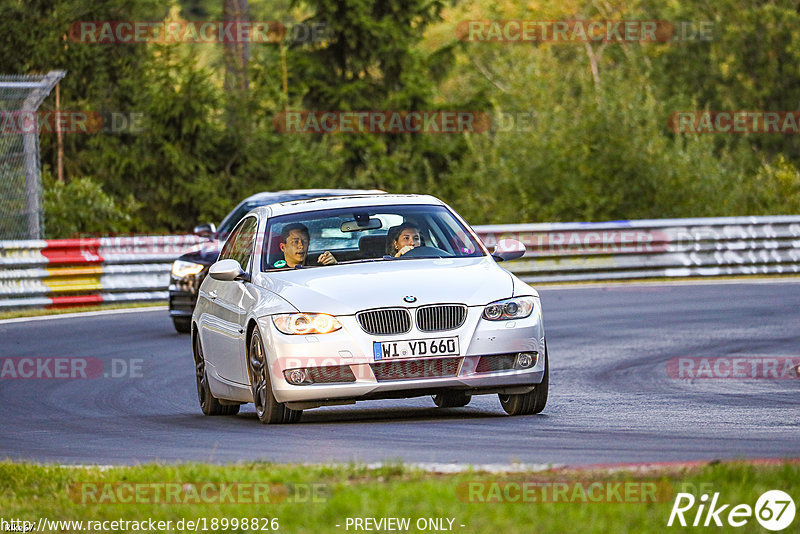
x: 774, y: 510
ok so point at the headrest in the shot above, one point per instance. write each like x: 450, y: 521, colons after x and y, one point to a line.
x: 372, y: 246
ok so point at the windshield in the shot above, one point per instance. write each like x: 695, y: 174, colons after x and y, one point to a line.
x: 374, y: 233
x: 243, y: 208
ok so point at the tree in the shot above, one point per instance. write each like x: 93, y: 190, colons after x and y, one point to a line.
x: 367, y: 62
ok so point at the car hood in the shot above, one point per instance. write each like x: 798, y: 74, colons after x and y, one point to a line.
x: 346, y: 289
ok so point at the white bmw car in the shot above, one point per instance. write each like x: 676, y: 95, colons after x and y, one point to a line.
x: 334, y: 300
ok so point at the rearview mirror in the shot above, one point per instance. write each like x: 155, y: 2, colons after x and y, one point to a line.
x: 355, y: 226
x: 228, y: 271
x: 508, y: 249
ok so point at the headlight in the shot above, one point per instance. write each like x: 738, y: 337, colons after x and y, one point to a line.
x: 306, y: 323
x: 182, y: 268
x: 503, y: 310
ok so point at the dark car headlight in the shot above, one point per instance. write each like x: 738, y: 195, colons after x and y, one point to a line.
x: 183, y: 269
x: 504, y: 310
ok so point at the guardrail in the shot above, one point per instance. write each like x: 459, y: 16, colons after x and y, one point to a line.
x: 69, y: 272
x: 667, y: 248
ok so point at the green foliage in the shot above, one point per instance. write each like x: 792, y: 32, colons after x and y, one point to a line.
x: 316, y: 498
x: 598, y: 146
x: 82, y: 207
x: 369, y: 62
x: 751, y: 62
x: 179, y: 144
x: 775, y: 189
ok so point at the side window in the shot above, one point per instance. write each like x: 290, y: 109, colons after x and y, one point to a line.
x: 225, y: 253
x: 240, y: 244
x: 245, y: 242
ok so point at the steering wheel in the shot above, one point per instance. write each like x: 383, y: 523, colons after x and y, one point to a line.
x: 426, y: 252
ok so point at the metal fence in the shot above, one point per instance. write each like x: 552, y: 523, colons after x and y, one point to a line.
x: 59, y: 273
x: 70, y: 272
x: 667, y: 248
x: 21, y: 214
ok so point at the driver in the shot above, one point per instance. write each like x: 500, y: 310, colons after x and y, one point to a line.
x: 403, y: 238
x: 294, y: 245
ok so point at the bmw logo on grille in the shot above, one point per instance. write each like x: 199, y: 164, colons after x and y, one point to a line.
x: 410, y: 298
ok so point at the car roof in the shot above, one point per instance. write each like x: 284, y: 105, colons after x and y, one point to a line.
x: 347, y: 201
x: 267, y: 195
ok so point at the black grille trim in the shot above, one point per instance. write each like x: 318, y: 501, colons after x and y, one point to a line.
x: 441, y: 317
x: 384, y: 322
x: 416, y: 369
x: 331, y: 374
x: 498, y: 362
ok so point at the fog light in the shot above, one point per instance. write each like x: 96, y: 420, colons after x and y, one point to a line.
x: 526, y: 360
x: 297, y: 377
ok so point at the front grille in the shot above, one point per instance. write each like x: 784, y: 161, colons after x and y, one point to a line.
x: 385, y: 322
x: 441, y: 317
x: 498, y: 362
x: 415, y: 369
x: 331, y: 374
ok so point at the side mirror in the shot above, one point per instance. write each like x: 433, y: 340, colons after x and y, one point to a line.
x: 228, y: 271
x: 205, y: 230
x: 508, y: 249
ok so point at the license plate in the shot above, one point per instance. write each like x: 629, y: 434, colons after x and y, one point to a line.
x: 416, y: 348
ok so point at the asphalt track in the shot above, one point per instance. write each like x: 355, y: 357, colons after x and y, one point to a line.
x: 611, y: 400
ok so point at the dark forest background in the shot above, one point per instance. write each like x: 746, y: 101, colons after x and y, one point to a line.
x: 598, y: 147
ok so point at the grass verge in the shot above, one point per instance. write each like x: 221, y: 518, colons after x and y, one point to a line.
x: 316, y: 498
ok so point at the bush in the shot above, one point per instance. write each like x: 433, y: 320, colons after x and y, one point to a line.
x: 81, y: 206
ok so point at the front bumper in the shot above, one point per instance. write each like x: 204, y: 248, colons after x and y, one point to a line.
x: 349, y: 351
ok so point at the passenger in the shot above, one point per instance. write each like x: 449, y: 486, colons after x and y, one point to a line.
x: 402, y: 238
x: 294, y: 245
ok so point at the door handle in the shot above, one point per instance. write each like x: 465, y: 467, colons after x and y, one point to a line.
x: 213, y: 294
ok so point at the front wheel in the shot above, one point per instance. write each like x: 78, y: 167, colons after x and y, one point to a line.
x: 531, y: 402
x: 268, y: 409
x: 209, y: 404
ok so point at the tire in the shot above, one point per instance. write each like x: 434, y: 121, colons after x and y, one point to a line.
x: 268, y: 409
x: 451, y: 399
x: 183, y: 325
x: 531, y: 402
x: 209, y: 404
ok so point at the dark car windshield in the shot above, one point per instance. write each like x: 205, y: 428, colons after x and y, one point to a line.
x: 370, y: 234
